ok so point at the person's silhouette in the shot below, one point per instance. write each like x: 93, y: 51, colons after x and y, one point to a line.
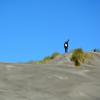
x: 66, y: 46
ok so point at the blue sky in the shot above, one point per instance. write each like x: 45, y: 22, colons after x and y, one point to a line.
x: 33, y: 29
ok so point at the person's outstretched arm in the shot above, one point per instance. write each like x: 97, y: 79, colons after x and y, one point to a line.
x: 68, y: 41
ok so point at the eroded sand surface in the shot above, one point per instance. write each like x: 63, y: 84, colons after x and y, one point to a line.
x: 50, y: 81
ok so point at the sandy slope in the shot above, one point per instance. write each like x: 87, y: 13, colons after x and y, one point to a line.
x: 50, y: 81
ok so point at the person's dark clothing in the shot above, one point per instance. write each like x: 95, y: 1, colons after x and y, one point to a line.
x: 66, y: 50
x: 66, y: 46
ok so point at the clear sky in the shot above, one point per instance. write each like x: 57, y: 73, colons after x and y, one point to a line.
x: 33, y: 29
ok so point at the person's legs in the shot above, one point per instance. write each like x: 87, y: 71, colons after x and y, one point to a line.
x: 66, y: 50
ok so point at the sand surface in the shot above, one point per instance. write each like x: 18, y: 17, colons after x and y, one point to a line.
x: 50, y: 81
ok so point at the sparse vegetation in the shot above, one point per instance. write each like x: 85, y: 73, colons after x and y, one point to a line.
x: 56, y: 54
x: 78, y: 57
x: 50, y: 58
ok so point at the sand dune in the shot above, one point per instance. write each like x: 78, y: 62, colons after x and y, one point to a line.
x: 53, y: 81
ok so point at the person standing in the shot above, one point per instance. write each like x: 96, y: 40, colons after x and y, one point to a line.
x: 66, y: 46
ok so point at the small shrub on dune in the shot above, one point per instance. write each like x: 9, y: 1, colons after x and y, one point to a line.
x: 54, y: 55
x: 45, y: 60
x: 77, y: 63
x: 49, y: 58
x: 78, y: 57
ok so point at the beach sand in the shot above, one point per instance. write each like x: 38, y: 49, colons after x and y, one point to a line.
x: 50, y: 81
